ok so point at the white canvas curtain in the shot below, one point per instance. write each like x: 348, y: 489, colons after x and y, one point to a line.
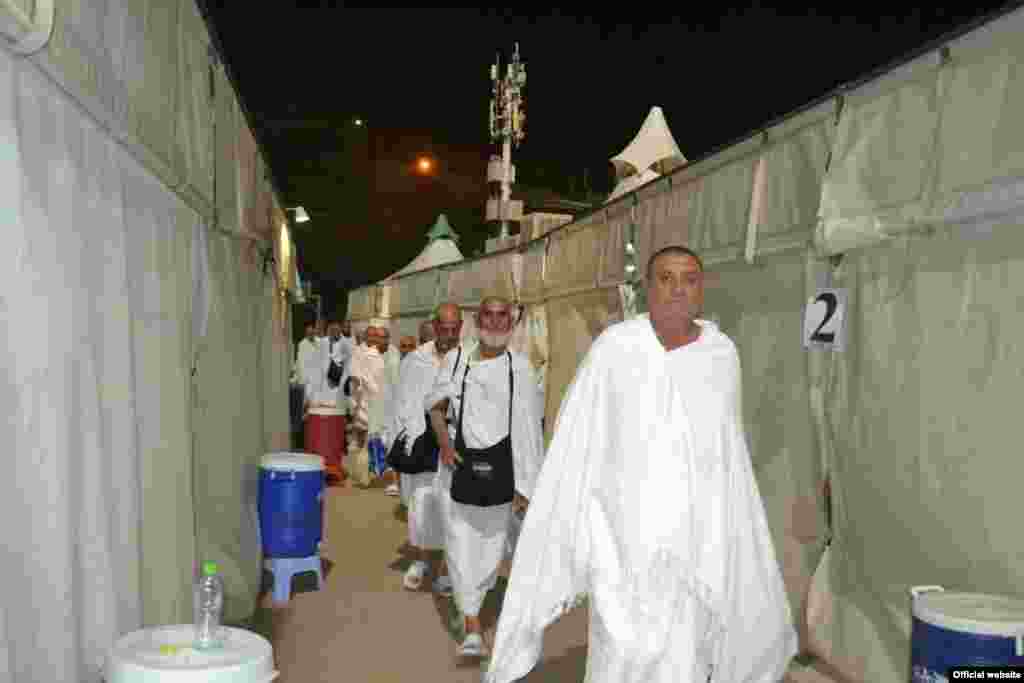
x: 531, y: 284
x: 228, y: 178
x: 160, y: 259
x: 467, y: 282
x: 937, y: 142
x: 82, y: 328
x: 229, y: 419
x: 922, y: 420
x: 114, y: 288
x: 419, y: 293
x: 573, y: 260
x: 924, y: 199
x: 141, y: 68
x: 787, y: 184
x: 613, y: 247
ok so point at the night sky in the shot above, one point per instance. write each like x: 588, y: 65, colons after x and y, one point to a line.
x: 420, y: 80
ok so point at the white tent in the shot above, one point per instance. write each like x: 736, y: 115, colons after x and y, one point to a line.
x: 441, y: 249
x: 413, y: 288
x: 653, y: 148
x: 632, y: 182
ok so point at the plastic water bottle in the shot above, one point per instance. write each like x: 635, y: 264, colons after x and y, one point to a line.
x: 209, y: 604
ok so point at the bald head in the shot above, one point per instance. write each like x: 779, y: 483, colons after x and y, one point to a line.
x: 448, y: 312
x: 447, y: 327
x: 406, y: 344
x: 426, y: 332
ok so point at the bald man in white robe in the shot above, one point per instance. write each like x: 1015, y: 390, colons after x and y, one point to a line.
x: 647, y: 505
x: 417, y: 377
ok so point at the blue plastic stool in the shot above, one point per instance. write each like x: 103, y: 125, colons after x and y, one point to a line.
x: 285, y: 568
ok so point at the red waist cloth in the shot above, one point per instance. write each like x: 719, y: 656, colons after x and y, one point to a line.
x: 325, y: 436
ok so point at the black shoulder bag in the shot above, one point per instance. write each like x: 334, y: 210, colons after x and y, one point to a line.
x: 425, y: 451
x: 486, y: 476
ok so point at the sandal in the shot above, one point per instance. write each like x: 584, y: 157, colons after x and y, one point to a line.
x: 472, y: 646
x: 414, y: 575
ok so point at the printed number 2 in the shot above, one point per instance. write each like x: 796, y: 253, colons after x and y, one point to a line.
x: 830, y: 300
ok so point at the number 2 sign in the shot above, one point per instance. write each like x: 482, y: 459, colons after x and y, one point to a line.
x: 824, y: 319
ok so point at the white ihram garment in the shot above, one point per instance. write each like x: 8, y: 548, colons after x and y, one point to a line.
x: 307, y: 365
x: 647, y: 504
x: 375, y: 398
x: 475, y: 537
x: 416, y: 377
x: 318, y: 389
x: 372, y: 406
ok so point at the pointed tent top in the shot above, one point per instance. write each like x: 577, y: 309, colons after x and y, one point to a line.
x: 653, y: 148
x: 442, y: 230
x: 441, y: 249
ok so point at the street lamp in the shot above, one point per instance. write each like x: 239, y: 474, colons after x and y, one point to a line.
x: 424, y: 165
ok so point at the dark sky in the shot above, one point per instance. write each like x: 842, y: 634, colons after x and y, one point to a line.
x: 420, y: 79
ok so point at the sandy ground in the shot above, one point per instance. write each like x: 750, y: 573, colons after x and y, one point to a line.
x: 363, y: 627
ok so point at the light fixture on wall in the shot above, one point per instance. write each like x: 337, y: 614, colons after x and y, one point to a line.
x: 300, y: 214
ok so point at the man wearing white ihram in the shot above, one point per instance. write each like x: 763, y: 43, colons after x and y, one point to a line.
x: 374, y: 375
x: 683, y: 587
x: 493, y: 401
x: 417, y: 376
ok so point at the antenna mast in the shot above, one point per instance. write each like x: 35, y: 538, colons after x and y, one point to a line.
x: 507, y: 119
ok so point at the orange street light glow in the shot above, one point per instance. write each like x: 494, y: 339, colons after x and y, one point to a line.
x: 424, y: 165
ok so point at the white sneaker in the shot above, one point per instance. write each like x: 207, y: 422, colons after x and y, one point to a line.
x: 443, y: 586
x: 414, y: 575
x: 472, y: 646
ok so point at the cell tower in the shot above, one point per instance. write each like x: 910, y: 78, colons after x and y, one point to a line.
x: 508, y: 118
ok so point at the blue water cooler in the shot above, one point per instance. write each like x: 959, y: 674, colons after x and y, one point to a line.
x: 291, y: 494
x: 962, y: 629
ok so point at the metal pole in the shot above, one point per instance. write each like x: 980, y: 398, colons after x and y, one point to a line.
x: 506, y: 184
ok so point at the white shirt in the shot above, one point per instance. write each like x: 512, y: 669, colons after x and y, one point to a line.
x: 486, y: 416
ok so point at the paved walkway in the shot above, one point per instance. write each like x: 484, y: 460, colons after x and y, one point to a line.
x: 363, y: 627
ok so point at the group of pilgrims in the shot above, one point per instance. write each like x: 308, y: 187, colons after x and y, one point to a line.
x: 644, y: 504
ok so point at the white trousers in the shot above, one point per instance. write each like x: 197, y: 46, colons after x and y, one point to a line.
x: 426, y: 523
x: 475, y: 543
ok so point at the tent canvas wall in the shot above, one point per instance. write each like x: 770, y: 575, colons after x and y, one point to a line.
x: 132, y: 289
x: 914, y: 180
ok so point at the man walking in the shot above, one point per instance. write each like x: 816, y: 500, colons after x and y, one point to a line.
x: 647, y: 504
x: 417, y: 377
x: 490, y: 396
